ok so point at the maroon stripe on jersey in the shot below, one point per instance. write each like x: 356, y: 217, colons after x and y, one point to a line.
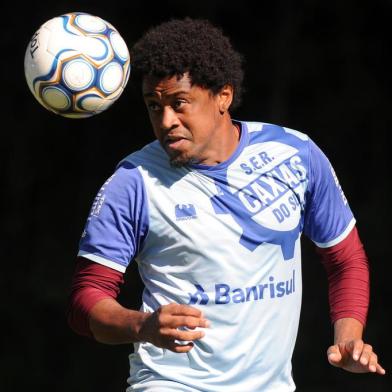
x: 347, y: 269
x: 91, y: 283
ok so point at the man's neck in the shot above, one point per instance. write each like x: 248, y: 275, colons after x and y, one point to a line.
x: 225, y: 143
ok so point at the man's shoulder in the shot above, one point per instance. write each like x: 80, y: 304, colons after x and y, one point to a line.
x: 151, y: 154
x: 259, y: 129
x: 127, y: 173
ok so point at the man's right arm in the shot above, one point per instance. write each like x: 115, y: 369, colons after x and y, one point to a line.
x: 94, y: 311
x: 111, y: 323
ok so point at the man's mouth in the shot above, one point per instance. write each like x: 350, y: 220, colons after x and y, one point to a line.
x: 174, y: 142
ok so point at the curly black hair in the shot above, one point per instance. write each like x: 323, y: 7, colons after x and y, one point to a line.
x: 194, y: 46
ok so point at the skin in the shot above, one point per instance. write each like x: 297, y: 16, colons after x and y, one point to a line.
x: 350, y: 352
x: 194, y: 126
x: 111, y: 323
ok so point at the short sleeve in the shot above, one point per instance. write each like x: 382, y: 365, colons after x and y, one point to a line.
x: 118, y: 221
x: 328, y: 217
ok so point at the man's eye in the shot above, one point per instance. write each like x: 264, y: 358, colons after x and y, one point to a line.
x: 177, y: 104
x: 153, y: 106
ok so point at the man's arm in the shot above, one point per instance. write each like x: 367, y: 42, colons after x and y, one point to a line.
x: 348, y: 276
x: 94, y: 311
x: 349, y: 351
x: 111, y: 323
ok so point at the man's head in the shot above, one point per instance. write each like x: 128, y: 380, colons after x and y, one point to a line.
x: 191, y: 78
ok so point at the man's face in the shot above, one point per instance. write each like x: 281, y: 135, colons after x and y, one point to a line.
x: 186, y: 119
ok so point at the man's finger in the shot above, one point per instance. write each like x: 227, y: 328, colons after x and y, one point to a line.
x: 367, y: 351
x: 380, y: 369
x: 355, y: 348
x: 188, y: 321
x: 373, y: 363
x: 187, y: 335
x: 183, y: 310
x: 180, y: 348
x: 334, y: 355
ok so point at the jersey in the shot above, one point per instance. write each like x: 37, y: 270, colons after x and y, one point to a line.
x: 224, y: 239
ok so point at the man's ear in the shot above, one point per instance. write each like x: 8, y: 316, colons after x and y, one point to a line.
x: 225, y: 98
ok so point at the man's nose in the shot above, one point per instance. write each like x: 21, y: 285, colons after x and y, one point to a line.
x: 169, y: 119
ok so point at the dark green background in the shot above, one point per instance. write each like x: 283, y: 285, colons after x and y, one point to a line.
x: 319, y: 67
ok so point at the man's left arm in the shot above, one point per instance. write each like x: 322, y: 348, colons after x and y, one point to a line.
x: 346, y: 265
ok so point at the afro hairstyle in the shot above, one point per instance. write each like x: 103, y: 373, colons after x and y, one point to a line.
x: 194, y: 46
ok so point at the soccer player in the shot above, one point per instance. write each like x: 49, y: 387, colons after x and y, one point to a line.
x: 212, y: 212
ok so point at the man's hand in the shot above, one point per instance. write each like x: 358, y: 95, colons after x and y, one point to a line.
x: 169, y: 324
x: 354, y: 356
x: 350, y: 352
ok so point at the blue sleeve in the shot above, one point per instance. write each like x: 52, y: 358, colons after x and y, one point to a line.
x: 118, y: 221
x: 328, y: 217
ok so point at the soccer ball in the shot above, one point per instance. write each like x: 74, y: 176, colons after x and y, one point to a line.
x: 77, y: 65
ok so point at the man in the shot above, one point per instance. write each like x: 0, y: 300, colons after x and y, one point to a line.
x: 213, y: 212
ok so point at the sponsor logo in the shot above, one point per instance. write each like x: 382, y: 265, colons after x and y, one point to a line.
x: 199, y: 296
x: 98, y: 203
x: 338, y: 185
x: 100, y: 198
x: 224, y: 294
x: 185, y: 211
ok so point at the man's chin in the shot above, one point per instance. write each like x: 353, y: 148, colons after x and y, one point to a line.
x: 181, y: 160
x: 178, y: 162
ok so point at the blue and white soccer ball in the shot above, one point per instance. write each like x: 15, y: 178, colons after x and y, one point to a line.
x: 77, y: 65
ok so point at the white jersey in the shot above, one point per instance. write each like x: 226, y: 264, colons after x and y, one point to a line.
x: 224, y: 239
